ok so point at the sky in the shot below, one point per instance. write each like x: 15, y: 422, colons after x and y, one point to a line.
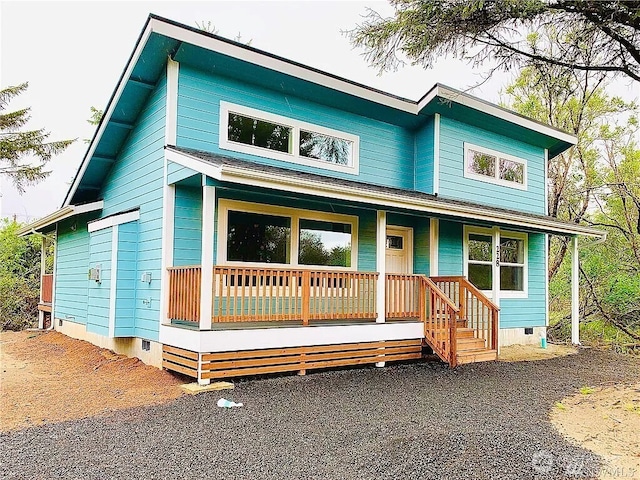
x: 72, y: 54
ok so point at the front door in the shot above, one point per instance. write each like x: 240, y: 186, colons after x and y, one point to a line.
x: 399, y: 251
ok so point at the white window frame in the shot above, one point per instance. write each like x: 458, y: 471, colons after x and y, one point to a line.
x: 296, y: 126
x: 295, y: 215
x: 468, y: 147
x: 496, y: 234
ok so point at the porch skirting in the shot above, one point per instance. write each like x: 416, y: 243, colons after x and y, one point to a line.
x: 207, y: 366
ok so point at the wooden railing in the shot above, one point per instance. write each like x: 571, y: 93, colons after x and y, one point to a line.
x: 273, y: 294
x: 46, y: 288
x: 184, y: 293
x: 416, y: 296
x: 479, y: 311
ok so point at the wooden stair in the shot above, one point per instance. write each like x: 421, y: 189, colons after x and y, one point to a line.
x: 470, y: 349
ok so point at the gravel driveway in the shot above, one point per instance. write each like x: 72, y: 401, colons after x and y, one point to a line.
x: 421, y: 421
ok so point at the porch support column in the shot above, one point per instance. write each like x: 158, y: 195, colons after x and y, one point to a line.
x: 381, y: 257
x: 208, y: 215
x: 575, y: 294
x: 43, y: 271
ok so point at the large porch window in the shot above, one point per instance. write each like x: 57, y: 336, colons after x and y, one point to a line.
x: 492, y: 254
x: 250, y: 233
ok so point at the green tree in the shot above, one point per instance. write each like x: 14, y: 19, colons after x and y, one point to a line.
x: 19, y: 277
x: 95, y: 118
x: 574, y: 101
x: 24, y: 154
x: 591, y: 35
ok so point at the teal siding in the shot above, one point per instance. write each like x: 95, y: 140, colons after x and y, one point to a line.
x: 99, y: 292
x: 453, y: 183
x: 530, y: 311
x: 187, y: 244
x: 136, y: 181
x: 450, y: 248
x: 386, y: 151
x: 176, y: 172
x: 367, y: 228
x: 127, y: 279
x: 72, y: 264
x: 424, y: 157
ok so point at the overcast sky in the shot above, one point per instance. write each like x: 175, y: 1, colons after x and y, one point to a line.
x: 72, y: 54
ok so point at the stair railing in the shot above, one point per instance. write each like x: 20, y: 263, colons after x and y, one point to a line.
x: 440, y: 316
x: 476, y: 308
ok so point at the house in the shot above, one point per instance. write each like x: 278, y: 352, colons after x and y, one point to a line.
x: 238, y: 213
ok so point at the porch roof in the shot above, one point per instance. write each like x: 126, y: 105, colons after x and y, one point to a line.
x: 233, y: 170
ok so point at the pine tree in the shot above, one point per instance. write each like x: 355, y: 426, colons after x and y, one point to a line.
x: 24, y: 154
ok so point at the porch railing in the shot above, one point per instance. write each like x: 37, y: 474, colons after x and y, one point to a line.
x: 274, y: 294
x: 480, y: 312
x: 46, y: 288
x: 416, y: 296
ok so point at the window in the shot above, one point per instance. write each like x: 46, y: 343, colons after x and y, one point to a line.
x: 494, y: 167
x: 247, y: 130
x: 259, y: 234
x: 324, y: 243
x: 484, y: 262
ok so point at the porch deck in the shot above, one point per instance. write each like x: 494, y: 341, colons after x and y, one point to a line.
x: 456, y: 320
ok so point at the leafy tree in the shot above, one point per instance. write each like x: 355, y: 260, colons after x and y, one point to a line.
x: 574, y: 101
x: 24, y: 154
x: 590, y: 35
x: 19, y: 277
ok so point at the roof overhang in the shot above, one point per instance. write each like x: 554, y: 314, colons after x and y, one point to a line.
x: 354, y: 192
x: 162, y: 37
x: 53, y: 218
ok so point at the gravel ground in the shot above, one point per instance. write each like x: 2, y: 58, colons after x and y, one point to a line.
x: 421, y: 421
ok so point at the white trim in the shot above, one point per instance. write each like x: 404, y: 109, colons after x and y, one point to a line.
x: 283, y: 337
x: 113, y: 284
x: 496, y: 180
x: 295, y: 125
x: 171, y: 113
x: 295, y: 214
x: 381, y: 262
x: 208, y: 238
x: 436, y: 154
x: 113, y: 220
x: 144, y: 37
x: 295, y: 184
x: 168, y: 225
x: 58, y: 215
x: 55, y: 272
x: 496, y: 234
x: 546, y: 181
x: 575, y: 292
x: 434, y: 233
x: 546, y: 278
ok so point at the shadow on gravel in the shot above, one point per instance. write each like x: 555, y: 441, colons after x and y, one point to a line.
x: 418, y: 421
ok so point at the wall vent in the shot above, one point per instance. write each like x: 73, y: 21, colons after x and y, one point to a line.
x: 528, y: 331
x: 146, y: 345
x: 59, y: 322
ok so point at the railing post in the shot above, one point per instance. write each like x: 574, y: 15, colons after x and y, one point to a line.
x: 306, y: 294
x: 494, y: 329
x: 453, y: 344
x: 463, y: 301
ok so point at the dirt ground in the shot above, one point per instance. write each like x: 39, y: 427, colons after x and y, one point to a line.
x: 522, y: 353
x: 606, y: 421
x: 49, y: 377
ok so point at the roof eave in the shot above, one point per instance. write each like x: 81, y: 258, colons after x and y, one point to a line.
x: 59, y: 215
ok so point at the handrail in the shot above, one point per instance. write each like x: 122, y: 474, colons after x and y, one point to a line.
x: 440, y: 316
x: 480, y: 313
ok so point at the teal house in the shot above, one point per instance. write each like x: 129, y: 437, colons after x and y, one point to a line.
x: 237, y: 213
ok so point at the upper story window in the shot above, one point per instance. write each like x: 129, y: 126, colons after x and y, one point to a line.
x: 247, y: 130
x: 494, y: 167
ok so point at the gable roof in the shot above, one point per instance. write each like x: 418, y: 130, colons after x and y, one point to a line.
x: 162, y: 38
x: 233, y: 170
